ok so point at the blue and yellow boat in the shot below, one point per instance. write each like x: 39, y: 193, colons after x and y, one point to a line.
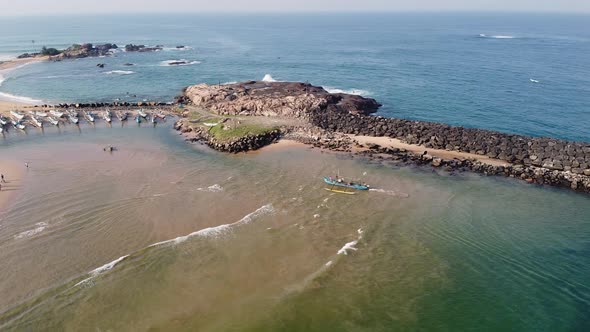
x: 343, y: 184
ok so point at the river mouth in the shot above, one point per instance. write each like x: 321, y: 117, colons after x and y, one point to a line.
x: 161, y: 234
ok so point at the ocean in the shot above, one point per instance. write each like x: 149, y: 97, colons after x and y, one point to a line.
x: 166, y: 235
x: 517, y: 73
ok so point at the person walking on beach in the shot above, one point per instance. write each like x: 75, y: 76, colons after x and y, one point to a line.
x: 27, y: 164
x: 2, y: 178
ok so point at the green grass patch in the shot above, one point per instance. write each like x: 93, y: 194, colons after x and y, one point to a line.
x: 243, y: 130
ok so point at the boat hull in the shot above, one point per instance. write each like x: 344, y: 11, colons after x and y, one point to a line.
x: 345, y: 185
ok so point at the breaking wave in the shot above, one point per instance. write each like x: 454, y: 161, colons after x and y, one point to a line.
x: 14, y: 98
x: 221, y: 229
x: 206, y: 232
x: 184, y: 48
x: 357, y: 92
x: 481, y: 35
x: 99, y: 270
x: 179, y: 62
x: 120, y: 72
x: 212, y: 189
x: 40, y: 228
x: 268, y: 78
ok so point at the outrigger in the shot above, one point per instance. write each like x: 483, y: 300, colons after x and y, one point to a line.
x: 338, y: 185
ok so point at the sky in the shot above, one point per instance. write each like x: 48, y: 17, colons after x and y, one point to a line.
x: 56, y: 7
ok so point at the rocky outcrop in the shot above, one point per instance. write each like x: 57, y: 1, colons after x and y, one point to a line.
x: 89, y: 50
x: 77, y: 51
x: 286, y: 99
x: 142, y: 48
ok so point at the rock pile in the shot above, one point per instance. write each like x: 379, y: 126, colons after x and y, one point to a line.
x: 238, y: 144
x: 552, y: 154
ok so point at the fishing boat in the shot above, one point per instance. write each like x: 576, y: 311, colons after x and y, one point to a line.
x: 153, y: 118
x: 18, y: 125
x: 56, y: 113
x: 3, y: 121
x: 73, y: 117
x: 122, y: 116
x: 142, y: 113
x: 17, y: 115
x: 339, y: 182
x: 138, y: 119
x: 88, y: 116
x: 41, y: 114
x: 36, y: 122
x: 53, y: 120
x: 107, y: 116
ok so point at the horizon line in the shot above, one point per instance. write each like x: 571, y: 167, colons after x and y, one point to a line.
x: 299, y: 12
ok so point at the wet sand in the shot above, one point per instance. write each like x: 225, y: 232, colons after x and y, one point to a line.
x: 13, y: 174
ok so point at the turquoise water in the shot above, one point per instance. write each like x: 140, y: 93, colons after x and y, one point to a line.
x: 433, y: 67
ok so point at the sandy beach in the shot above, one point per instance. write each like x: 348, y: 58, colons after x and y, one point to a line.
x: 11, y: 64
x: 13, y: 174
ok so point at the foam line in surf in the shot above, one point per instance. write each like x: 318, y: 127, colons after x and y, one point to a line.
x: 100, y: 270
x: 32, y: 232
x: 120, y: 72
x: 482, y: 35
x: 219, y: 230
x: 206, y: 232
x: 357, y: 92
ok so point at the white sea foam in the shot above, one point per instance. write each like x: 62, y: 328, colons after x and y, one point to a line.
x: 349, y: 246
x: 213, y: 188
x: 100, y: 270
x: 534, y: 81
x: 329, y: 264
x: 481, y: 35
x: 185, y: 48
x: 357, y: 92
x: 228, y: 83
x: 219, y: 230
x: 7, y: 57
x: 268, y: 78
x: 14, y: 98
x: 206, y: 232
x: 389, y: 192
x: 179, y: 62
x: 120, y: 72
x: 40, y: 228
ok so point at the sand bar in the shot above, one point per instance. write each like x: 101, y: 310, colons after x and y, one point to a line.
x: 13, y: 174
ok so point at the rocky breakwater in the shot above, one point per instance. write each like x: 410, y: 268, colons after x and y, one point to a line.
x: 537, y: 160
x: 249, y: 104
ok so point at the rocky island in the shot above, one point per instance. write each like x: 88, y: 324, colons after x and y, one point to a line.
x: 86, y: 50
x: 249, y: 115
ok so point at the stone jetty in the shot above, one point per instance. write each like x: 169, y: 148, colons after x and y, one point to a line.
x: 330, y: 121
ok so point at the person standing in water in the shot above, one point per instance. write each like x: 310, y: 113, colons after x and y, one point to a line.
x: 2, y: 178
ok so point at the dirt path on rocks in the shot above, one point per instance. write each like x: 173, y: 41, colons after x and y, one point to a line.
x: 387, y: 142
